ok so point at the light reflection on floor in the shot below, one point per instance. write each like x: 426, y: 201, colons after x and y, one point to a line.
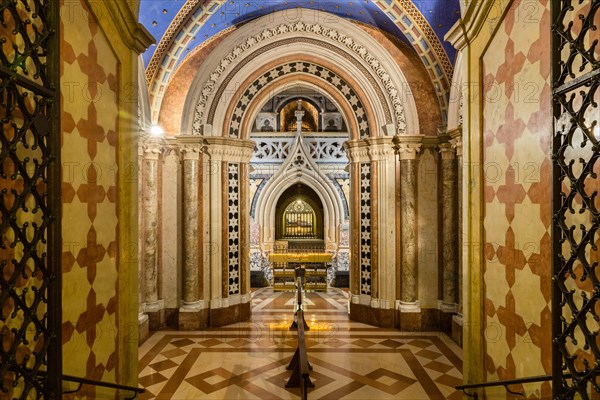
x: 351, y: 360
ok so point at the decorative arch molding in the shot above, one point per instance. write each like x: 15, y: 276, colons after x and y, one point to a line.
x: 144, y: 112
x: 190, y: 17
x: 298, y: 80
x: 291, y: 82
x: 370, y: 59
x: 456, y: 101
x: 297, y: 42
x: 372, y: 105
x: 299, y: 168
x: 306, y: 68
x: 425, y: 41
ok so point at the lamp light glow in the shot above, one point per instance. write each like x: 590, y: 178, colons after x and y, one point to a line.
x: 156, y: 131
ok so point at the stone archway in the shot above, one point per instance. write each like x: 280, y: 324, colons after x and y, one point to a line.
x: 367, y: 86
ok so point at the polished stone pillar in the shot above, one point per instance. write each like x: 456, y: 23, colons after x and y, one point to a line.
x: 449, y: 228
x: 192, y: 314
x: 143, y: 323
x: 152, y: 304
x: 408, y: 151
x: 409, y: 313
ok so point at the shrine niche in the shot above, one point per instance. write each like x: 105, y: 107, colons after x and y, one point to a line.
x: 299, y: 214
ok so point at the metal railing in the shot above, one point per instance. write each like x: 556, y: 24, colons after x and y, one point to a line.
x: 84, y: 381
x: 506, y: 383
x: 299, y: 364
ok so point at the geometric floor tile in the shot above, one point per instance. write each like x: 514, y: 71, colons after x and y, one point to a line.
x: 163, y: 365
x: 438, y: 366
x: 350, y: 360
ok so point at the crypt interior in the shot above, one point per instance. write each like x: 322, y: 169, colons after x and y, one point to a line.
x: 415, y: 183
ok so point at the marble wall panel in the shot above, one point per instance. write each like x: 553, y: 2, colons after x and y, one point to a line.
x: 89, y: 93
x: 517, y: 124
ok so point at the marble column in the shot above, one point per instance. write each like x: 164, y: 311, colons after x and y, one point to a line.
x: 449, y: 228
x: 408, y: 151
x: 191, y: 314
x: 152, y: 305
x: 143, y: 323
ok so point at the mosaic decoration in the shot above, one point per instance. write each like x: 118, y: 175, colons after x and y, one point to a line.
x: 256, y: 260
x: 425, y: 42
x: 208, y: 86
x: 342, y: 261
x: 238, y: 58
x: 342, y: 185
x: 365, y: 228
x: 307, y: 68
x: 197, y: 24
x: 258, y: 180
x: 30, y: 217
x: 576, y: 213
x: 233, y: 211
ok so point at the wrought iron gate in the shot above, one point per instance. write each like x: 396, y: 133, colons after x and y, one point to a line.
x: 30, y: 245
x: 576, y: 199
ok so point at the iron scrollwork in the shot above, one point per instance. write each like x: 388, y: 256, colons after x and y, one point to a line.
x: 576, y: 200
x: 30, y: 245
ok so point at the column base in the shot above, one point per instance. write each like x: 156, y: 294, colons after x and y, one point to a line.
x: 143, y: 328
x: 229, y: 314
x: 380, y: 317
x: 445, y: 313
x: 423, y: 320
x: 457, y: 329
x: 156, y: 314
x: 193, y: 316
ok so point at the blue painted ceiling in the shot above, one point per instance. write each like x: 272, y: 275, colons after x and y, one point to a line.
x: 156, y: 16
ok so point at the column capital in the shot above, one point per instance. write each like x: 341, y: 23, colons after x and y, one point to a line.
x: 380, y: 148
x: 408, y: 147
x: 447, y: 151
x: 229, y: 149
x: 357, y: 151
x: 408, y: 151
x: 457, y: 145
x: 191, y: 146
x: 370, y: 149
x: 151, y: 148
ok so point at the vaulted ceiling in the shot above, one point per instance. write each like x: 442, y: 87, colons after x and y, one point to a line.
x: 180, y: 26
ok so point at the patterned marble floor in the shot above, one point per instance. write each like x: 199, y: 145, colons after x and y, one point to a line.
x: 248, y: 360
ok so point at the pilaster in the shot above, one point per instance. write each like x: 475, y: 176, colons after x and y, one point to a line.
x: 457, y: 319
x: 229, y: 227
x: 373, y: 234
